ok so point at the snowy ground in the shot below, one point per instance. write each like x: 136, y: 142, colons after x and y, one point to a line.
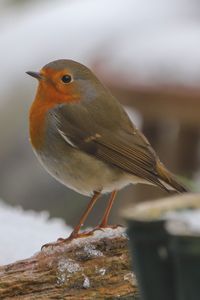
x: 22, y: 233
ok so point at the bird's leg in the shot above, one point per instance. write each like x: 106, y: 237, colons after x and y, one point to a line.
x: 104, y: 221
x: 75, y: 232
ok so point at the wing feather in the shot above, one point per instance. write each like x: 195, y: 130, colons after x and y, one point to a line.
x: 124, y: 149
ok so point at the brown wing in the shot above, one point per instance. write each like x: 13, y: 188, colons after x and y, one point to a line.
x: 125, y: 148
x: 132, y: 158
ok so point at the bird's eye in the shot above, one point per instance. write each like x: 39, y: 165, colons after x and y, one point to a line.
x: 66, y: 78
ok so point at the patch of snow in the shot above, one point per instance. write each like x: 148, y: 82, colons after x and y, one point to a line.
x: 86, y: 282
x: 66, y: 267
x: 86, y: 240
x: 184, y: 221
x: 90, y: 251
x: 130, y: 277
x: 61, y: 277
x: 100, y: 234
x: 22, y: 233
x: 102, y: 271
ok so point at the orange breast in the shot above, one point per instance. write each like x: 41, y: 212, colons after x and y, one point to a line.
x: 37, y: 124
x: 46, y: 98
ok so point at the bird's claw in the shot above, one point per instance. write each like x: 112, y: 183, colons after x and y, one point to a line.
x: 68, y: 239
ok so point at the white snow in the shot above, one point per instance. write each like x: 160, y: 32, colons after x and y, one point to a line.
x: 86, y: 282
x: 66, y: 267
x: 85, y: 241
x: 102, y: 271
x: 130, y: 277
x: 90, y: 251
x: 100, y: 234
x: 184, y: 221
x: 22, y: 233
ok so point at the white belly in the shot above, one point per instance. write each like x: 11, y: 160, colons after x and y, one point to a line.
x: 86, y: 174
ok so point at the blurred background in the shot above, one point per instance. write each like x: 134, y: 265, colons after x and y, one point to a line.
x: 147, y: 52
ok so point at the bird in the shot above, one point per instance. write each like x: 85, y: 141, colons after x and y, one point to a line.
x: 85, y: 139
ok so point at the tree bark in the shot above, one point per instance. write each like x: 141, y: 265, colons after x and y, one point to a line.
x: 93, y: 267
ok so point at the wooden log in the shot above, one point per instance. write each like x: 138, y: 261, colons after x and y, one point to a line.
x: 93, y: 267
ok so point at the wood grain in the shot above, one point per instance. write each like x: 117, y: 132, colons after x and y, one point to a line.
x: 93, y: 267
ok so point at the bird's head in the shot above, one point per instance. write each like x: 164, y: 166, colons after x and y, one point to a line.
x: 65, y: 81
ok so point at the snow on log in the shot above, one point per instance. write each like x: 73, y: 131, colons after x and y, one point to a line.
x: 93, y: 267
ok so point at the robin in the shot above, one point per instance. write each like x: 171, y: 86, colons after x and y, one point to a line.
x: 84, y: 138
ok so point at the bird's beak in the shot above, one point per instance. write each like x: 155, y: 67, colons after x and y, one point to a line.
x: 36, y: 75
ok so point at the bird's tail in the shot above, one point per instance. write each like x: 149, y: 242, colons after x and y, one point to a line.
x: 169, y: 180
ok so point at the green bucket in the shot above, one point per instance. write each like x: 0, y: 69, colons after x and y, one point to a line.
x: 153, y: 268
x: 184, y: 246
x: 166, y: 264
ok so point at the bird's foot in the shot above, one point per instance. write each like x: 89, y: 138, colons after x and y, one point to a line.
x: 72, y: 236
x: 105, y: 226
x: 75, y: 236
